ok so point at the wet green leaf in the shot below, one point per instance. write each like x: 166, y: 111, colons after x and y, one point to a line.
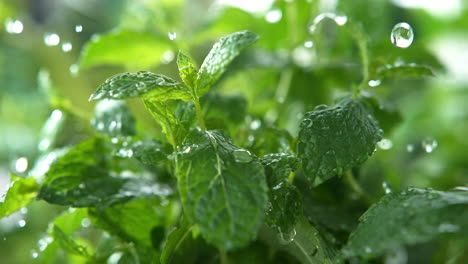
x: 221, y: 55
x: 21, y: 193
x: 336, y: 139
x: 68, y: 244
x: 408, y: 217
x: 83, y: 178
x: 222, y: 188
x: 143, y: 84
x: 177, y: 240
x: 149, y: 152
x: 171, y: 126
x: 113, y: 118
x: 285, y: 201
x: 187, y: 69
x: 131, y: 49
x: 403, y: 70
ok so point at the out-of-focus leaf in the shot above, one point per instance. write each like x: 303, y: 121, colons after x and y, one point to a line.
x: 222, y: 188
x: 132, y: 49
x: 221, y: 55
x: 132, y: 221
x: 178, y: 239
x: 268, y: 139
x: 337, y: 139
x: 408, y: 217
x: 68, y: 244
x: 387, y: 115
x: 230, y: 108
x: 403, y: 70
x: 113, y: 118
x: 21, y: 193
x: 149, y: 151
x: 144, y: 84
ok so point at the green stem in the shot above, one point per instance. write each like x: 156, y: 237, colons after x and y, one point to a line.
x: 351, y: 181
x: 361, y: 41
x: 201, y: 121
x: 291, y: 177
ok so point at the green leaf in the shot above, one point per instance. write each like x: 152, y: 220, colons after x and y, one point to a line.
x: 68, y: 244
x: 132, y: 221
x: 187, y: 69
x: 144, y: 84
x: 404, y: 70
x: 305, y: 243
x: 149, y: 152
x: 222, y: 188
x: 336, y: 139
x: 178, y: 238
x: 132, y: 49
x: 221, y: 55
x: 83, y: 178
x: 21, y: 193
x: 386, y: 114
x: 113, y: 118
x: 408, y: 217
x: 285, y: 205
x: 174, y: 130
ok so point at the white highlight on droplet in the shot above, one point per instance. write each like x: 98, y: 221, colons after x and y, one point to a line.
x: 21, y: 165
x: 51, y: 39
x: 14, y: 26
x: 273, y: 16
x: 78, y: 28
x: 67, y: 47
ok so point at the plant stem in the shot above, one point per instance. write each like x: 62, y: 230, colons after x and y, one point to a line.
x: 351, y: 181
x: 201, y: 121
x: 361, y: 41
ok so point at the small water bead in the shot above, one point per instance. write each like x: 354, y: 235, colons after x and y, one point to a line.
x: 273, y: 16
x: 429, y: 144
x: 409, y: 148
x: 67, y: 47
x: 34, y: 254
x: 21, y: 223
x: 374, y: 83
x: 51, y: 39
x: 385, y: 144
x: 24, y: 210
x: 78, y: 28
x: 340, y: 20
x: 73, y: 69
x: 303, y: 56
x: 21, y: 165
x: 242, y: 155
x: 402, y: 35
x: 286, y: 238
x: 14, y: 26
x: 172, y: 35
x: 309, y: 44
x: 387, y: 187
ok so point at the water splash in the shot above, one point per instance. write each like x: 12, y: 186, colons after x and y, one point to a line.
x: 78, y: 28
x: 51, y: 39
x: 14, y: 26
x: 402, y: 35
x: 273, y: 16
x: 429, y: 145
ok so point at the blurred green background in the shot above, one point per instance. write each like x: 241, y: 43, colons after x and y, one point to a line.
x: 54, y: 53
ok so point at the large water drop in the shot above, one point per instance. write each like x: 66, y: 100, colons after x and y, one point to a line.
x: 402, y: 35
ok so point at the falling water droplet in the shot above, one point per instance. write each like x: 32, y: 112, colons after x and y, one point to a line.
x: 167, y: 56
x: 21, y: 223
x: 374, y: 83
x: 387, y: 187
x: 34, y: 254
x: 402, y: 35
x: 13, y: 26
x: 409, y: 148
x: 78, y: 28
x: 273, y: 16
x: 286, y: 238
x: 429, y: 144
x: 51, y: 39
x: 21, y: 165
x: 73, y: 69
x: 172, y: 35
x: 67, y: 47
x: 309, y: 44
x: 385, y: 144
x: 242, y: 155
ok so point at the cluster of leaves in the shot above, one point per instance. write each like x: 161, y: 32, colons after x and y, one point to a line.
x: 229, y: 187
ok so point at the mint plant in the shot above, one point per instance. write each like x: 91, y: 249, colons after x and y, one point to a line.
x: 218, y: 184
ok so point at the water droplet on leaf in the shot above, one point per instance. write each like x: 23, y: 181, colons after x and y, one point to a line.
x: 402, y: 35
x: 385, y: 144
x: 242, y: 155
x: 286, y: 238
x: 320, y: 107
